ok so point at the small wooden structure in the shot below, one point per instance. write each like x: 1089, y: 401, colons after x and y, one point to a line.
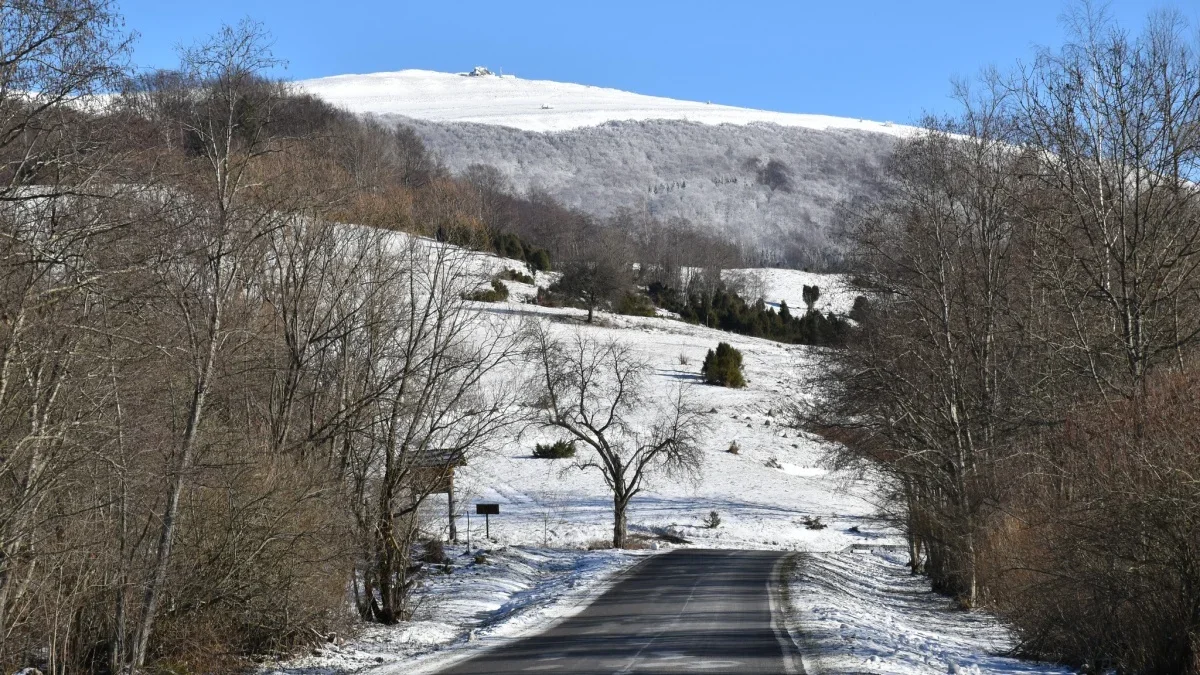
x: 434, y: 468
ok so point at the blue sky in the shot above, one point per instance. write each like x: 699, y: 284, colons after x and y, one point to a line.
x: 874, y: 59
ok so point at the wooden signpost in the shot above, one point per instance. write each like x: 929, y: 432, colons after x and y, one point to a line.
x: 486, y: 510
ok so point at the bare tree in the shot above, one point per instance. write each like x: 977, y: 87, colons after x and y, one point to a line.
x: 600, y: 273
x: 928, y: 396
x: 430, y: 363
x: 1114, y: 117
x: 1026, y: 352
x: 594, y: 391
x: 226, y: 124
x: 52, y: 54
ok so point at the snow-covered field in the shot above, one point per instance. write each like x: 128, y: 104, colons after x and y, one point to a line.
x: 778, y: 285
x: 856, y: 611
x: 540, y: 105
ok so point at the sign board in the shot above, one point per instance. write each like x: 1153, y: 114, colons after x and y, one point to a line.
x: 487, y: 509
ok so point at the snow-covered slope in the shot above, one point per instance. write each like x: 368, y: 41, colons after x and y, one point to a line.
x: 540, y: 105
x: 851, y: 598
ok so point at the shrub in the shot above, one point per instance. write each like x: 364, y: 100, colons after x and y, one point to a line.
x: 814, y: 523
x: 635, y: 304
x: 724, y: 367
x: 713, y: 520
x: 434, y: 552
x: 555, y: 450
x: 861, y: 307
x: 515, y: 275
x: 509, y: 245
x: 497, y: 293
x: 538, y: 261
x: 1114, y: 579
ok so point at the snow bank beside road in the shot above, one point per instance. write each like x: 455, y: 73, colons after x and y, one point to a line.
x: 862, y: 612
x: 518, y: 591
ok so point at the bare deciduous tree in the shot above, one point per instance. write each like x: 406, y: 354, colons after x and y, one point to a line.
x: 595, y: 392
x: 1028, y: 267
x: 430, y: 363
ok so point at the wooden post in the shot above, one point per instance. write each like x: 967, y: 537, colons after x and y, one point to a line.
x: 450, y: 500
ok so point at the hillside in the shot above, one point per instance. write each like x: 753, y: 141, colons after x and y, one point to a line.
x: 853, y: 598
x: 770, y: 181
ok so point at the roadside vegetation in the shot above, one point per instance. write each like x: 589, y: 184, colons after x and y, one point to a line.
x: 1026, y: 373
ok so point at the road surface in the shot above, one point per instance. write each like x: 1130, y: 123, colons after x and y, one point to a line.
x: 688, y: 611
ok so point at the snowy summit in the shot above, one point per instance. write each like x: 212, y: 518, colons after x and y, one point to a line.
x: 540, y: 105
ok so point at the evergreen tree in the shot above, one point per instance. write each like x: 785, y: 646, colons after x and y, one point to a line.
x: 811, y: 294
x: 724, y: 367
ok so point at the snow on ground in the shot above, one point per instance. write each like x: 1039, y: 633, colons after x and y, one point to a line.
x: 470, y: 605
x: 855, y: 606
x: 837, y: 296
x: 762, y: 493
x: 540, y: 105
x: 863, y: 612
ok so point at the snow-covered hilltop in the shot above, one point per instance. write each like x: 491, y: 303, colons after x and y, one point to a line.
x: 540, y: 105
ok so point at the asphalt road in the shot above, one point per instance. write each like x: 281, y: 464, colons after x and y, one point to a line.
x: 688, y: 611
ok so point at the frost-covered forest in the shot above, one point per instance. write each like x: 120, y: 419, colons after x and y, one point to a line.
x: 715, y: 176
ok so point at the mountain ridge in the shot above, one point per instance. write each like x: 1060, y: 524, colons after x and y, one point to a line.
x: 542, y: 105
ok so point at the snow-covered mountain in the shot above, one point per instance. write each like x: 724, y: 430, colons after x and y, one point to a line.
x: 541, y: 105
x: 604, y: 150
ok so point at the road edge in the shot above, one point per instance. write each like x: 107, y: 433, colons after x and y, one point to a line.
x: 439, y: 660
x: 782, y: 621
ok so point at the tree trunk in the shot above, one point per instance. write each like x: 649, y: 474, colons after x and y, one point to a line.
x: 188, y: 443
x: 972, y: 591
x: 620, y: 504
x: 165, y: 540
x: 386, y: 567
x: 171, y: 512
